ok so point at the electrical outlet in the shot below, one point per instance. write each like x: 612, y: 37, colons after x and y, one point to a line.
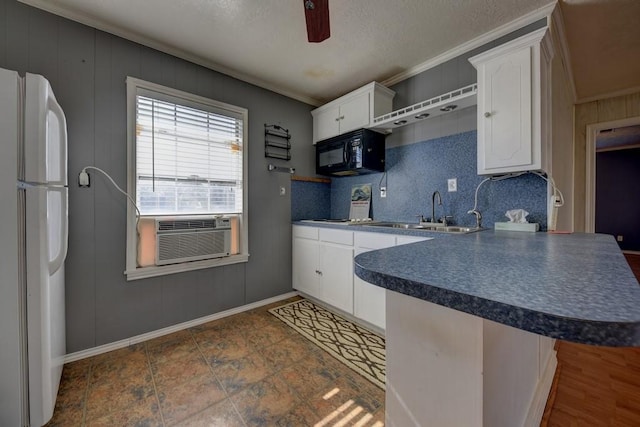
x: 83, y: 179
x: 383, y: 192
x: 283, y: 191
x: 619, y: 237
x: 452, y: 184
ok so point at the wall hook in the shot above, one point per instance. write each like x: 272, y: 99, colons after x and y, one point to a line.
x: 282, y: 169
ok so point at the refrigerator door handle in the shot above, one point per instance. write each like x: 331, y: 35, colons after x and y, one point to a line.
x: 58, y: 261
x: 56, y: 109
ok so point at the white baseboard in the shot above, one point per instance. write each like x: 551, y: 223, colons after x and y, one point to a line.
x: 94, y: 351
x: 539, y: 401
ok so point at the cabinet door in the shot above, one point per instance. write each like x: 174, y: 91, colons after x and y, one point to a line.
x: 369, y: 302
x: 336, y: 276
x: 504, y: 113
x: 326, y: 124
x: 368, y: 299
x: 355, y: 113
x: 305, y: 266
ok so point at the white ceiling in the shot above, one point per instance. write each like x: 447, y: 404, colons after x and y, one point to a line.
x: 264, y: 41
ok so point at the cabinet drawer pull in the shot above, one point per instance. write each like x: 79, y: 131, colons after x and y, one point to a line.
x: 487, y: 114
x: 337, y: 119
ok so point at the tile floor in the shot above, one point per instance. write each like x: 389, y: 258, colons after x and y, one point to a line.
x: 249, y: 369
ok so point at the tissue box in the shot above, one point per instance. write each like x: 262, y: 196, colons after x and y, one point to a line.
x: 531, y: 227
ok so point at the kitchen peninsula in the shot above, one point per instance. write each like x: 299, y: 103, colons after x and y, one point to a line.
x: 469, y: 316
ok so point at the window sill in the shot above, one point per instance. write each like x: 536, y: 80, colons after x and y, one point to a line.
x: 163, y: 270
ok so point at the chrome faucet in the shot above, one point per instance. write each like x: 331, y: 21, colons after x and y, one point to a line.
x: 444, y: 221
x: 478, y: 217
x: 433, y: 204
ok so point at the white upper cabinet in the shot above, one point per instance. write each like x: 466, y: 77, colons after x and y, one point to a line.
x: 514, y: 97
x: 326, y: 123
x: 352, y: 111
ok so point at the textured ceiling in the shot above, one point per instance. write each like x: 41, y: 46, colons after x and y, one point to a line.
x: 604, y: 44
x: 264, y: 41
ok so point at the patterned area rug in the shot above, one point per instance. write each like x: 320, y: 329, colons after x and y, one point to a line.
x: 356, y: 347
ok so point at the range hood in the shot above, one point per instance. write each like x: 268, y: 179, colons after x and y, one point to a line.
x: 453, y: 101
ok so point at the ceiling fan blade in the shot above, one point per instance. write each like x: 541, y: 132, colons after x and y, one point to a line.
x: 316, y: 13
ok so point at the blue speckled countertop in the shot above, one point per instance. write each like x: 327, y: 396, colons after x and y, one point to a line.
x: 575, y: 287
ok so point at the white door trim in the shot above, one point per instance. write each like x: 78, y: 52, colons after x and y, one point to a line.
x: 590, y: 171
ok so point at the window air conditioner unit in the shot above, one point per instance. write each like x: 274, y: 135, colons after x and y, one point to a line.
x: 181, y: 239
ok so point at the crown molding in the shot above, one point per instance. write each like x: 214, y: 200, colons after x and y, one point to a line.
x: 166, y: 48
x: 607, y: 95
x: 98, y: 24
x: 558, y: 35
x: 485, y: 38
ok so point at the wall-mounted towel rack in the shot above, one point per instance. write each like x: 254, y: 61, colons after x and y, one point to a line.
x: 277, y: 142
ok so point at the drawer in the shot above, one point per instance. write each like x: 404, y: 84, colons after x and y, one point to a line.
x: 341, y: 237
x: 374, y: 240
x: 403, y: 240
x: 305, y: 232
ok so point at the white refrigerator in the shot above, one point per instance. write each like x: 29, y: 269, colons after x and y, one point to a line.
x: 33, y: 247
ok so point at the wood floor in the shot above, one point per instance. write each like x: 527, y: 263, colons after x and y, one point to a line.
x: 596, y: 386
x: 634, y: 262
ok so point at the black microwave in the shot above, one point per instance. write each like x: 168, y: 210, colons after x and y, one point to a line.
x: 354, y: 153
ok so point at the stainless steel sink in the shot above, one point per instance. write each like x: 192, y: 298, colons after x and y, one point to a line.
x: 462, y: 230
x: 454, y: 229
x: 400, y: 225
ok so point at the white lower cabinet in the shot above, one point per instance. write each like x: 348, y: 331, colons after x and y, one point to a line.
x: 336, y: 275
x: 305, y: 266
x: 368, y: 299
x: 323, y: 265
x: 323, y: 269
x: 405, y: 240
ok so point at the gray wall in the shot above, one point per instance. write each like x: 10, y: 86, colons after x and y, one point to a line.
x: 87, y: 70
x: 451, y: 75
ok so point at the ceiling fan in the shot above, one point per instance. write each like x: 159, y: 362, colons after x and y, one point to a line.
x: 316, y: 13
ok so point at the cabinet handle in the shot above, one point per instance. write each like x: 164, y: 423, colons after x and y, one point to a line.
x: 487, y: 114
x: 337, y: 119
x: 319, y: 272
x: 341, y: 117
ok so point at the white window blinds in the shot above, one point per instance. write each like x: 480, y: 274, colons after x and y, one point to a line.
x: 188, y: 157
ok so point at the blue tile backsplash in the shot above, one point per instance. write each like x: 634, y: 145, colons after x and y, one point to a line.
x: 415, y: 171
x: 310, y: 200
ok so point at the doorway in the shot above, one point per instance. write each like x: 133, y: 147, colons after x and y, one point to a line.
x: 613, y: 173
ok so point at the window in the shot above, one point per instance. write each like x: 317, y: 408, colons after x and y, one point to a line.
x: 186, y: 157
